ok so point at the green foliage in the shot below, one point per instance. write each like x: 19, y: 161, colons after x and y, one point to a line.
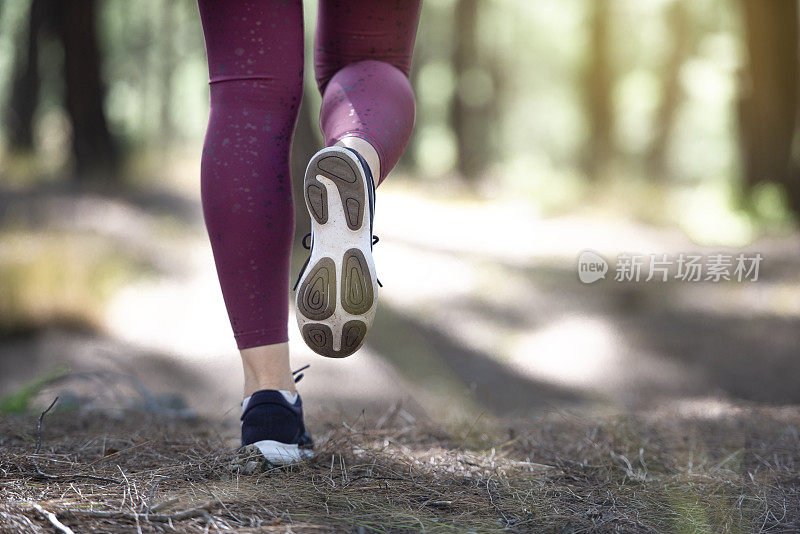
x: 18, y: 402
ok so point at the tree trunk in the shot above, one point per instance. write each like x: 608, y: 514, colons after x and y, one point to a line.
x: 305, y: 144
x: 94, y: 150
x: 412, y: 150
x: 167, y: 66
x: 470, y: 119
x: 769, y: 103
x: 678, y: 24
x: 598, y: 85
x: 25, y: 89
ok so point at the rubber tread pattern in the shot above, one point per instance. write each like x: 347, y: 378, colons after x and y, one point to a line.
x: 351, y: 190
x: 320, y: 338
x: 317, y: 197
x: 357, y: 294
x: 318, y: 291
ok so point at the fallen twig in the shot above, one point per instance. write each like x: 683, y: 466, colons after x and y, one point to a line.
x: 41, y: 474
x: 198, y: 511
x: 50, y: 516
x: 39, y: 435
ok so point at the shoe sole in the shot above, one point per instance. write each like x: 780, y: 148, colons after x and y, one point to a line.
x: 337, y: 294
x: 278, y: 453
x: 263, y: 455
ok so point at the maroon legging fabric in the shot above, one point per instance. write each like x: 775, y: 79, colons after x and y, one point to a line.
x: 362, y: 57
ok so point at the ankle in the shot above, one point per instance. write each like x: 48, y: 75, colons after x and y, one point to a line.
x: 253, y: 385
x: 367, y: 151
x: 267, y: 367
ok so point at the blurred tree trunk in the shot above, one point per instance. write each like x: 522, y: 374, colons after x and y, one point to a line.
x: 94, y: 150
x: 412, y: 150
x: 470, y: 117
x: 305, y: 144
x: 769, y: 102
x: 598, y: 83
x: 167, y: 64
x: 25, y: 87
x: 143, y: 37
x: 678, y: 24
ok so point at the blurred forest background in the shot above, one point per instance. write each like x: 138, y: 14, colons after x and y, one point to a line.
x: 642, y: 118
x: 666, y: 105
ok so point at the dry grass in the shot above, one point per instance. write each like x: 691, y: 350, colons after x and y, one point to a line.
x: 735, y: 472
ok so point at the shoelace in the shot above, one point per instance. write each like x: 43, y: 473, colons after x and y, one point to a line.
x: 307, y: 246
x: 301, y: 375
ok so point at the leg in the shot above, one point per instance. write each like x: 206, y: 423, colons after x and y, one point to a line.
x: 362, y: 57
x: 255, y: 60
x: 267, y: 367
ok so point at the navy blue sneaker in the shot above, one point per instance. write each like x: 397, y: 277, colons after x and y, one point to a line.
x: 274, y: 425
x: 338, y: 288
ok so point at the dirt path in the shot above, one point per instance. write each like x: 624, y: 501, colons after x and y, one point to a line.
x: 481, y: 311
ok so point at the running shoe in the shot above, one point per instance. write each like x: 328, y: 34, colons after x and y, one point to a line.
x: 338, y: 288
x: 273, y: 424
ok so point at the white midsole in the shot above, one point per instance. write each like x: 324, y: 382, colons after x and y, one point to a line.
x: 332, y: 239
x: 282, y: 453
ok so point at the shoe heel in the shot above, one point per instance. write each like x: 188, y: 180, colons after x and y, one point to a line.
x: 341, y: 170
x: 319, y: 337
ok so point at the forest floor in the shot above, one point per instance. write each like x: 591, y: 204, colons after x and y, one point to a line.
x: 529, y: 402
x: 734, y: 470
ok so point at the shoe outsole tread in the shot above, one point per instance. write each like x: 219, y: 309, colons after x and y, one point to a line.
x: 331, y: 326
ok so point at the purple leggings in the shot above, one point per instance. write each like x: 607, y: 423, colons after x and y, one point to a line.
x: 362, y: 56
